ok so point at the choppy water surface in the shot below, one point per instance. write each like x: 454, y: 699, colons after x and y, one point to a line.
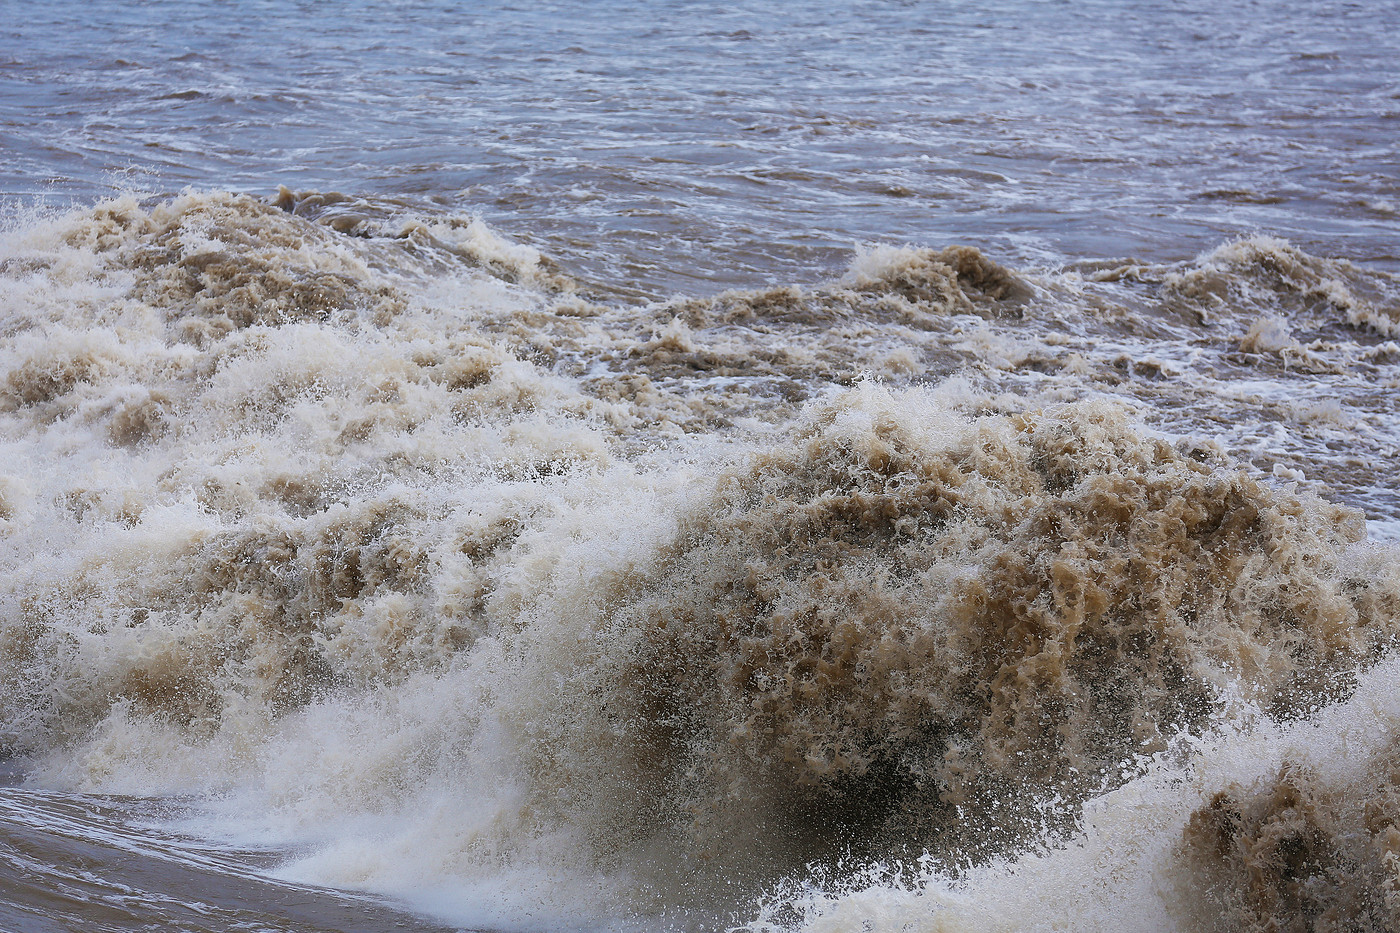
x: 686, y: 146
x: 555, y: 468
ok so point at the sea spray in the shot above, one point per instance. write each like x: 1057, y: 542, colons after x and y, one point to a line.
x: 378, y: 543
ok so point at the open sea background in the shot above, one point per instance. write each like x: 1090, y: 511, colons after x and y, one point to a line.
x: 650, y: 466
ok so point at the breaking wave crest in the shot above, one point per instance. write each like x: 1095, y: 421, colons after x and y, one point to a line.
x: 1299, y: 849
x: 390, y: 544
x: 904, y: 632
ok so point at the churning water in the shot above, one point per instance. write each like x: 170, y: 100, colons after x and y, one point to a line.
x: 878, y: 466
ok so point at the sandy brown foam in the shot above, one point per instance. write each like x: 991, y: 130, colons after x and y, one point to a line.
x: 902, y: 633
x: 356, y: 519
x: 1299, y: 853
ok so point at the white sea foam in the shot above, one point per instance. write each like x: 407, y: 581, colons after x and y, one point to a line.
x: 395, y: 553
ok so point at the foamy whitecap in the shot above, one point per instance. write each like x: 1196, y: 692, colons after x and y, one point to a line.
x: 388, y: 546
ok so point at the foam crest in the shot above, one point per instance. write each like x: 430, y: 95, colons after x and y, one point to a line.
x: 1240, y: 828
x: 385, y: 545
x: 312, y: 417
x: 877, y: 639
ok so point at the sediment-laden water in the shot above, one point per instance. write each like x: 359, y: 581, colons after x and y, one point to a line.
x: 655, y: 523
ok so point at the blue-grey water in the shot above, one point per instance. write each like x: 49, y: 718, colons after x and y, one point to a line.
x: 666, y: 465
x: 684, y: 146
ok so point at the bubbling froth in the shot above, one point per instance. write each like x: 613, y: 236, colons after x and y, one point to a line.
x: 901, y: 632
x: 389, y: 543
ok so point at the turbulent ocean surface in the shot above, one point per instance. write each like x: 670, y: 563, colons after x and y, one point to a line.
x: 877, y: 466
